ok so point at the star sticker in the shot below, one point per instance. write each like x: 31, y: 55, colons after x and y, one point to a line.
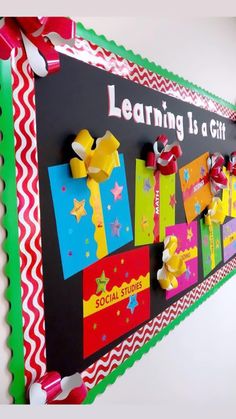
x: 104, y: 338
x: 172, y: 201
x: 144, y: 223
x: 197, y: 207
x: 122, y: 261
x: 115, y: 269
x: 116, y: 191
x: 202, y: 171
x: 217, y: 244
x: 189, y: 234
x: 86, y: 241
x: 115, y: 228
x: 126, y: 274
x: 109, y: 207
x: 102, y: 282
x: 127, y: 229
x: 205, y: 240
x: 118, y: 313
x: 87, y: 254
x: 186, y: 175
x: 133, y: 303
x: 146, y: 185
x: 94, y: 326
x: 208, y: 260
x: 164, y: 105
x: 235, y: 186
x: 78, y: 210
x: 188, y: 273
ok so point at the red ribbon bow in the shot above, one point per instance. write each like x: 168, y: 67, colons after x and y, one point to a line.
x: 38, y: 36
x: 164, y: 156
x: 52, y: 389
x: 231, y: 166
x: 218, y: 179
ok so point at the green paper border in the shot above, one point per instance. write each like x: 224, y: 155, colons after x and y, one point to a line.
x: 10, y: 221
x: 11, y: 245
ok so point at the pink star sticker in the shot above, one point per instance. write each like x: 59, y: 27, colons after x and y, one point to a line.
x: 172, y: 200
x: 116, y: 191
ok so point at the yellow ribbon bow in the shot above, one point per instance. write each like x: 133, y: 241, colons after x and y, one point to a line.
x: 98, y: 163
x: 215, y: 213
x: 173, y: 265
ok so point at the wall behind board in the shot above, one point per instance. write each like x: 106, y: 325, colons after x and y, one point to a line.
x: 195, y: 366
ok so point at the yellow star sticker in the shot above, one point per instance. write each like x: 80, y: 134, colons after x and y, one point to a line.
x: 217, y: 244
x: 189, y: 234
x: 102, y: 282
x: 78, y: 210
x: 144, y: 223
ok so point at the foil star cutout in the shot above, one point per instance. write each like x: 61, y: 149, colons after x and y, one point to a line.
x: 102, y: 282
x: 189, y: 234
x: 116, y: 191
x: 197, y: 207
x: 186, y: 175
x: 188, y: 273
x: 115, y: 228
x: 78, y: 211
x: 133, y: 303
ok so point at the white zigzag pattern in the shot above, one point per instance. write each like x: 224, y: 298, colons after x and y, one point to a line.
x: 28, y: 288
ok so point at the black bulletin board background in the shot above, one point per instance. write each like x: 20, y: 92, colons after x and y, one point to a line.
x: 66, y: 102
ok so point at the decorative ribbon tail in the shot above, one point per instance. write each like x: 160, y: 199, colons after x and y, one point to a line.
x: 52, y: 389
x: 215, y: 213
x: 231, y: 166
x: 9, y: 37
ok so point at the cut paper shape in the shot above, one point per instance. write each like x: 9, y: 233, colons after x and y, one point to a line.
x: 173, y: 265
x: 229, y: 239
x: 83, y: 239
x: 98, y: 163
x: 52, y: 389
x: 154, y: 206
x: 195, y: 185
x: 211, y: 246
x: 229, y: 194
x: 123, y: 305
x: 188, y: 250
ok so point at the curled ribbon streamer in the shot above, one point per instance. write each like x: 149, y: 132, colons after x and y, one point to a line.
x: 173, y: 265
x: 231, y: 166
x: 52, y: 389
x: 98, y: 163
x: 218, y: 179
x: 215, y: 213
x: 39, y: 36
x: 164, y: 157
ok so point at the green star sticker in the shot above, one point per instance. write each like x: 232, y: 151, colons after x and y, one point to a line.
x: 102, y: 282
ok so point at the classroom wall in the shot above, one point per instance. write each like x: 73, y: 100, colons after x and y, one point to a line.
x: 195, y: 366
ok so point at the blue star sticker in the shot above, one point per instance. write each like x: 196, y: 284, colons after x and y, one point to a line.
x: 235, y: 186
x: 202, y: 171
x: 186, y: 175
x: 146, y: 185
x: 197, y: 207
x: 133, y: 303
x: 187, y: 273
x: 208, y: 260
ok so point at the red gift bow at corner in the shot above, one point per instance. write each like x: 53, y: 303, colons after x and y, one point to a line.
x: 164, y: 156
x: 218, y: 179
x: 39, y: 36
x: 231, y: 166
x: 52, y: 389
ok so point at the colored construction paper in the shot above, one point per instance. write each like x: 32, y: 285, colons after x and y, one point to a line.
x: 229, y: 239
x: 188, y: 250
x: 154, y: 204
x: 211, y: 246
x: 229, y: 195
x: 92, y: 219
x: 116, y: 297
x: 195, y: 185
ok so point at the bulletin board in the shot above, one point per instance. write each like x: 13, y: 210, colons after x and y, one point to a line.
x: 83, y: 262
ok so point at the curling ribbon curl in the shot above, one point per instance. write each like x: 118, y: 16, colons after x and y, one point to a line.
x: 218, y: 179
x: 215, y: 213
x: 52, y: 389
x: 231, y: 166
x: 173, y: 265
x: 39, y: 36
x: 164, y: 157
x: 98, y: 163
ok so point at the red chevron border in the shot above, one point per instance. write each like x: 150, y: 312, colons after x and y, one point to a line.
x: 29, y: 210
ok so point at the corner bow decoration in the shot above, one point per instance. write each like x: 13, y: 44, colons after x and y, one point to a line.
x: 52, y: 389
x: 231, y: 166
x: 173, y: 265
x: 215, y: 213
x: 164, y: 157
x: 97, y: 163
x: 218, y: 179
x: 39, y: 36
